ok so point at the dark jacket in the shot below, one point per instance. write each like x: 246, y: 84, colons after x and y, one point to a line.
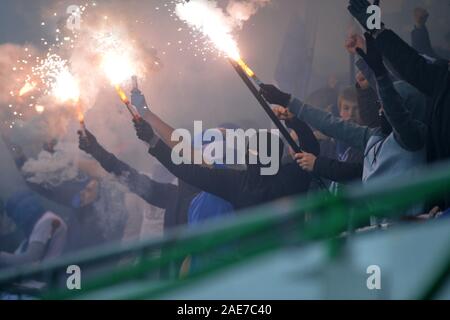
x: 174, y: 199
x: 340, y: 171
x: 420, y: 40
x: 245, y: 188
x: 369, y: 106
x: 431, y: 79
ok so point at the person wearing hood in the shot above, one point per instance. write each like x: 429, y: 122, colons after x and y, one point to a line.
x: 80, y: 196
x: 206, y: 206
x: 345, y: 165
x: 242, y: 189
x: 394, y: 148
x: 432, y: 79
x: 44, y: 231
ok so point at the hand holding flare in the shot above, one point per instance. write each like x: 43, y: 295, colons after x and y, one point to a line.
x: 127, y: 102
x: 80, y: 114
x: 66, y: 89
x: 249, y: 71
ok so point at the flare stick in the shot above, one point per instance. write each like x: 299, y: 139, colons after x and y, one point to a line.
x: 246, y: 73
x: 127, y: 102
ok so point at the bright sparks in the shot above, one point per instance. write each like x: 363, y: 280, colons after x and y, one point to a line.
x: 59, y: 81
x: 207, y: 18
x: 117, y: 68
x: 116, y: 57
x: 66, y: 87
x: 27, y: 88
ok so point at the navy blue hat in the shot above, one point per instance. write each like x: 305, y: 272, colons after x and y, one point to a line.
x: 25, y: 209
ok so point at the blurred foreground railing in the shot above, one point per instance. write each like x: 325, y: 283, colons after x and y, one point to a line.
x: 255, y: 232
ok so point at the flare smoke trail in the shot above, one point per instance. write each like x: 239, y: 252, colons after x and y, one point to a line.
x: 241, y: 11
x: 217, y: 24
x: 38, y: 117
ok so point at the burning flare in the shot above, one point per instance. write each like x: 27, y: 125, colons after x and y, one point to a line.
x: 249, y: 71
x: 117, y: 68
x: 207, y: 18
x: 126, y: 101
x: 117, y: 63
x: 66, y: 87
x: 122, y: 94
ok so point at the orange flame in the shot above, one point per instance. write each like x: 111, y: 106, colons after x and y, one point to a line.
x: 80, y: 117
x: 246, y: 68
x: 124, y: 98
x: 122, y: 94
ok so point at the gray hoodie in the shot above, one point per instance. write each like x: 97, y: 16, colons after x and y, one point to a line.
x: 393, y: 155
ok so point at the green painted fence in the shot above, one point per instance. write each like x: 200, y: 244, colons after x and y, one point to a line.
x: 231, y: 242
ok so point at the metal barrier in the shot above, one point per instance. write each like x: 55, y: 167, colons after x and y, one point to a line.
x: 254, y: 232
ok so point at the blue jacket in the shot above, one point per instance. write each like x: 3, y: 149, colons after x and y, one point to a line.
x: 206, y: 206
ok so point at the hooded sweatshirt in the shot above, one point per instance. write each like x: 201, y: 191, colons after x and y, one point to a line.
x: 431, y: 79
x: 385, y: 154
x: 247, y: 188
x: 206, y: 206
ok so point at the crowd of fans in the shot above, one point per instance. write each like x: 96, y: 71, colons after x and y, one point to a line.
x: 394, y: 120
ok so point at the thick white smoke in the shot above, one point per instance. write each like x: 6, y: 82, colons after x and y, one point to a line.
x: 216, y: 24
x: 12, y: 70
x: 236, y: 14
x: 242, y: 10
x: 53, y: 169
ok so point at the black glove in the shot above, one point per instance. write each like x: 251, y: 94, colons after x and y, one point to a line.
x: 144, y: 130
x: 358, y: 9
x: 87, y: 142
x: 373, y: 57
x: 273, y: 95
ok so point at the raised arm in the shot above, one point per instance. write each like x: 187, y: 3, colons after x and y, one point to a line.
x: 411, y: 66
x: 410, y: 132
x: 161, y: 128
x: 420, y: 37
x: 155, y: 193
x: 165, y: 132
x: 220, y: 182
x: 369, y: 105
x: 345, y: 131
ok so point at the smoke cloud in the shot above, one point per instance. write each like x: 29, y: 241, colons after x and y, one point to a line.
x: 10, y: 72
x: 242, y: 10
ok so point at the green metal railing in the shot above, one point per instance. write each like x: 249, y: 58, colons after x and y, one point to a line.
x: 255, y: 232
